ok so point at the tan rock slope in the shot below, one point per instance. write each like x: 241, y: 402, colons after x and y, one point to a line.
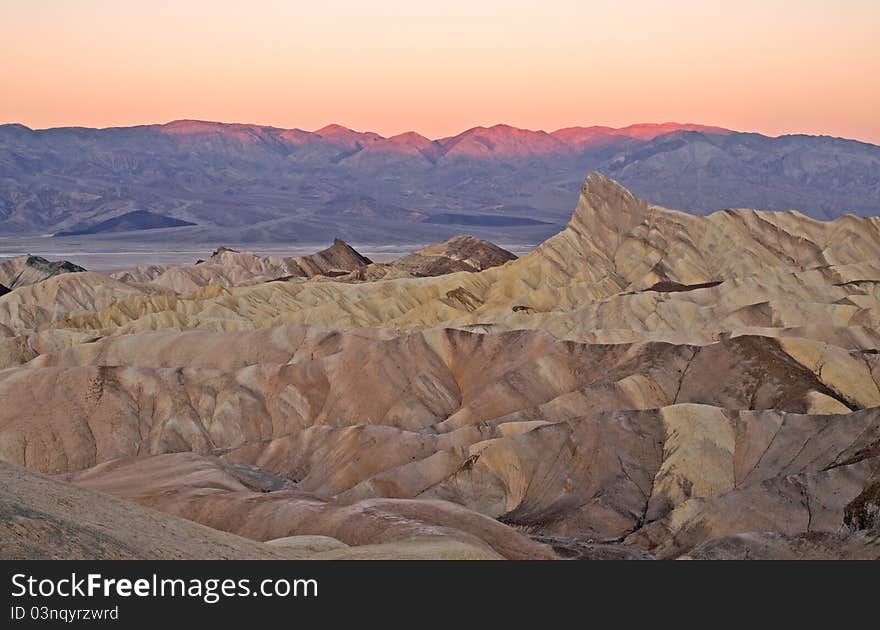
x: 265, y: 507
x: 42, y: 518
x: 646, y: 383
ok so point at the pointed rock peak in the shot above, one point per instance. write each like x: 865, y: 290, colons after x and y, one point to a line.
x: 343, y: 252
x: 596, y: 181
x: 603, y: 197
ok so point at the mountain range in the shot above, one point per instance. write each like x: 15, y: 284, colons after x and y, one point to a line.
x: 258, y: 184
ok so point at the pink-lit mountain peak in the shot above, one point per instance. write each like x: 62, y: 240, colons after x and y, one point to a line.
x: 344, y: 135
x: 407, y: 143
x: 409, y: 138
x: 501, y: 140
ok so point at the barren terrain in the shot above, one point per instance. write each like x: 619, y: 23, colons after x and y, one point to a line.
x: 644, y: 384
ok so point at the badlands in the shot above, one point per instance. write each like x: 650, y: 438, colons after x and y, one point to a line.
x: 645, y: 384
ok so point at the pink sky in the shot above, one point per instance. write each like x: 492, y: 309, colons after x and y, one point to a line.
x: 441, y: 67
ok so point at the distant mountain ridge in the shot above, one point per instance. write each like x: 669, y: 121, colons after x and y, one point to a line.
x: 500, y: 138
x: 255, y: 183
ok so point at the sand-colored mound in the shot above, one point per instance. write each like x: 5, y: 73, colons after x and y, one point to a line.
x: 45, y: 303
x: 42, y: 518
x: 212, y: 492
x: 19, y: 349
x: 474, y: 253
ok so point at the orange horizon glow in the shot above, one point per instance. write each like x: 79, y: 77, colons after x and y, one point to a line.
x: 392, y: 66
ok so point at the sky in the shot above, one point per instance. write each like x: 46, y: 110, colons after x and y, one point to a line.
x: 389, y: 66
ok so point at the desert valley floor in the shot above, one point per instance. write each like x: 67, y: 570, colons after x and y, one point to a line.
x: 644, y: 384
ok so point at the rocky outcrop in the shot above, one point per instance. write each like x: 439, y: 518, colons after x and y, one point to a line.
x: 230, y: 268
x: 460, y: 253
x: 26, y: 270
